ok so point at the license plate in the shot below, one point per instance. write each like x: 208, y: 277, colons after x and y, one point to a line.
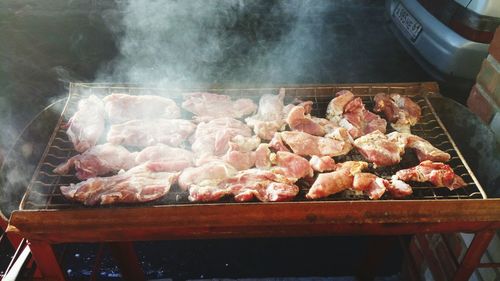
x: 404, y: 19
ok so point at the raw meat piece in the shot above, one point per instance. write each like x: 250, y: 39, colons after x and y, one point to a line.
x: 277, y: 143
x: 336, y: 106
x: 147, y: 132
x: 438, y: 174
x: 208, y: 174
x: 306, y: 145
x: 262, y: 156
x: 292, y: 165
x: 359, y: 121
x: 99, y: 160
x: 244, y: 144
x: 299, y: 121
x: 142, y: 183
x: 399, y: 188
x: 213, y: 138
x: 269, y: 118
x: 336, y: 181
x: 208, y: 106
x: 241, y: 160
x: 87, y: 124
x: 122, y: 107
x: 401, y: 111
x: 377, y: 148
x: 322, y: 164
x: 424, y: 149
x: 177, y: 158
x: 374, y: 186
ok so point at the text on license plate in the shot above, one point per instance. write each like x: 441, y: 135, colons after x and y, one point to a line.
x: 407, y: 21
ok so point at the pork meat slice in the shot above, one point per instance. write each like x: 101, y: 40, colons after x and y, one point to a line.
x: 371, y: 184
x: 399, y: 110
x: 213, y: 138
x: 209, y: 106
x: 177, y: 159
x: 122, y: 107
x: 263, y: 156
x: 334, y: 182
x: 399, y: 188
x: 98, y: 160
x: 424, y: 149
x: 322, y: 164
x: 439, y: 174
x: 241, y: 160
x: 147, y: 132
x: 299, y: 120
x: 377, y: 148
x: 269, y: 118
x: 292, y: 165
x: 359, y: 121
x: 87, y: 124
x: 143, y: 183
x: 305, y: 144
x: 336, y: 106
x: 277, y: 143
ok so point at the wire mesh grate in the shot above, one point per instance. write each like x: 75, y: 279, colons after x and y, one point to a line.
x: 43, y: 191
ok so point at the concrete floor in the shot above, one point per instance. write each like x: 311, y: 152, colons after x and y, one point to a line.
x: 45, y: 45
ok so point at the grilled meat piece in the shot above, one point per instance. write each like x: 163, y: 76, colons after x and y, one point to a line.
x: 372, y: 185
x: 143, y: 183
x: 322, y: 164
x: 241, y: 160
x: 299, y: 120
x: 424, y: 149
x: 263, y: 156
x: 208, y: 174
x: 399, y: 188
x: 269, y: 118
x: 99, y: 160
x: 359, y: 121
x: 438, y: 174
x: 336, y: 106
x: 399, y: 110
x: 177, y: 158
x: 209, y: 106
x: 147, y: 132
x: 306, y: 145
x: 377, y: 148
x: 277, y: 143
x: 334, y: 182
x: 122, y: 107
x: 292, y: 165
x: 87, y: 124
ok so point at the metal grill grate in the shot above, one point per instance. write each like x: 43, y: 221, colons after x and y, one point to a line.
x: 43, y: 191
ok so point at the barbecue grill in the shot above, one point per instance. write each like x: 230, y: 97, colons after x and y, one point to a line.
x: 45, y: 217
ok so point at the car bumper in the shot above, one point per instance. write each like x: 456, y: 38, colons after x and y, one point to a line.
x: 437, y: 46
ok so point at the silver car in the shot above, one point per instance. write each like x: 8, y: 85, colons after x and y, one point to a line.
x: 449, y: 38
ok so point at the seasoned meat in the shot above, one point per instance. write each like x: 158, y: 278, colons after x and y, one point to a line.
x: 306, y: 145
x: 292, y: 165
x: 87, y: 124
x: 359, y: 121
x: 299, y: 121
x: 424, y: 149
x: 377, y: 148
x: 437, y: 173
x: 322, y: 164
x: 269, y: 118
x: 122, y: 107
x: 399, y: 110
x: 336, y: 106
x: 209, y: 106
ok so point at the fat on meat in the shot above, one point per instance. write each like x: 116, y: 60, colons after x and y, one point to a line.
x: 376, y: 147
x: 143, y: 183
x: 85, y: 127
x: 305, y: 144
x: 269, y: 118
x: 334, y: 182
x: 209, y: 106
x: 147, y: 132
x: 122, y: 107
x: 98, y: 160
x: 439, y: 174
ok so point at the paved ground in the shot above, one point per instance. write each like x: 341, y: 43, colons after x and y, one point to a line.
x: 45, y: 45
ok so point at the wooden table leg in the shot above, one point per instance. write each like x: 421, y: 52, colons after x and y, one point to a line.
x: 46, y: 260
x: 124, y: 254
x: 377, y: 250
x: 473, y: 255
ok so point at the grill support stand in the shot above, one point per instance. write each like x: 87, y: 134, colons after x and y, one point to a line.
x: 473, y: 256
x: 130, y: 267
x: 46, y: 260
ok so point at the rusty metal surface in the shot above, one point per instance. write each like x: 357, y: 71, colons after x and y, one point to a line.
x: 43, y: 191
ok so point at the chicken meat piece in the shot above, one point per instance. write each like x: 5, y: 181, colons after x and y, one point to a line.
x: 322, y: 164
x: 336, y: 106
x: 263, y: 156
x: 177, y: 158
x: 277, y: 143
x: 213, y: 138
x: 305, y: 144
x: 244, y: 144
x: 85, y: 127
x: 334, y: 182
x: 208, y: 174
x: 269, y: 118
x: 143, y: 183
x: 209, y: 106
x: 122, y: 107
x: 378, y: 149
x: 241, y: 160
x: 399, y: 188
x: 359, y: 121
x: 292, y: 165
x: 400, y: 111
x: 371, y: 184
x: 98, y: 160
x: 147, y: 132
x: 437, y: 173
x: 299, y: 120
x: 424, y: 149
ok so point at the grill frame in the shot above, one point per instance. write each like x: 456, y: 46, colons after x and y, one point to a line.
x: 257, y: 219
